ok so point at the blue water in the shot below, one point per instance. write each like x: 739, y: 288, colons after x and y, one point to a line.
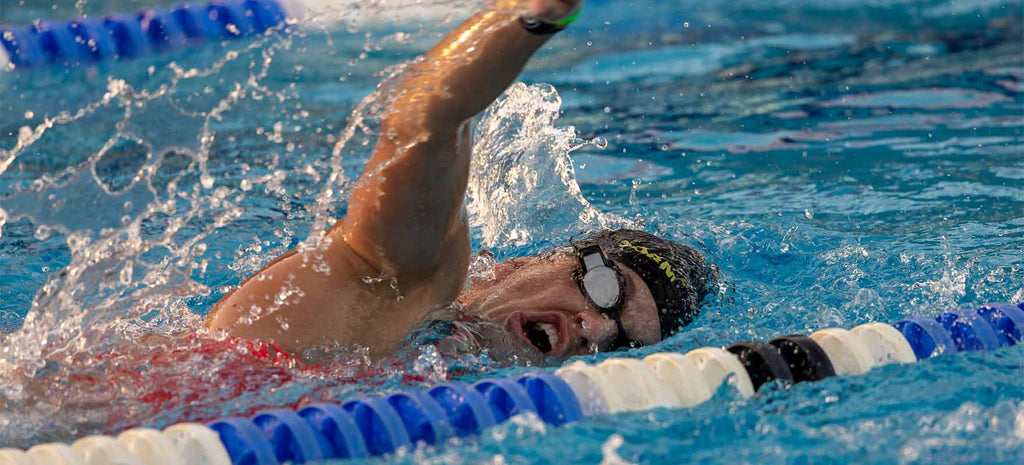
x: 841, y: 161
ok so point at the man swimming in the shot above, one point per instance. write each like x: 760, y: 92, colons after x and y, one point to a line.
x: 403, y: 249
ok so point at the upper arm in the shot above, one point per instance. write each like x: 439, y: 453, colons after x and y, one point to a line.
x: 406, y: 215
x: 293, y: 302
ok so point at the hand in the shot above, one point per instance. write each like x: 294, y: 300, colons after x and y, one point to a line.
x: 552, y: 10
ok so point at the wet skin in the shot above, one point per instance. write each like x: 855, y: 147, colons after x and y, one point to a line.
x: 402, y: 249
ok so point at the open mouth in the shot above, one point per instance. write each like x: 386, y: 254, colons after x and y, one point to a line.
x: 545, y: 332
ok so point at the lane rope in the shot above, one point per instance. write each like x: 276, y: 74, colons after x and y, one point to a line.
x: 91, y: 41
x: 373, y: 426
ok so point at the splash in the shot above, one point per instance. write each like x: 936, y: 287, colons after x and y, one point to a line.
x: 523, y: 185
x: 610, y: 451
x: 168, y: 169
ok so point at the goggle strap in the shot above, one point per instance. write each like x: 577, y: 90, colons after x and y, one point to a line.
x: 623, y: 340
x: 592, y: 257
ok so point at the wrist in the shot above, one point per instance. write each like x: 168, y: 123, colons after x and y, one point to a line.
x: 548, y: 26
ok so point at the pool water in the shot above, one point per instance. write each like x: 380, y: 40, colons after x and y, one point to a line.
x: 841, y: 162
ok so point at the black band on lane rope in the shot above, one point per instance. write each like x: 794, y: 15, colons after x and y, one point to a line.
x: 806, y: 359
x: 762, y: 362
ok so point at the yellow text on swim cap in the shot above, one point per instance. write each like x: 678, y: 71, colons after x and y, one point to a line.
x: 663, y: 264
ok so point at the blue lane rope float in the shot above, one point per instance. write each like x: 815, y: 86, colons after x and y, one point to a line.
x: 373, y: 426
x: 555, y: 401
x: 1007, y: 320
x: 244, y: 441
x: 926, y: 336
x: 83, y: 41
x: 380, y: 425
x: 505, y: 397
x: 467, y: 410
x: 422, y: 417
x: 338, y: 427
x: 291, y: 437
x: 969, y: 330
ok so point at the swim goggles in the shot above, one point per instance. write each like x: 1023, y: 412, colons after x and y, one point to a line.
x: 602, y: 283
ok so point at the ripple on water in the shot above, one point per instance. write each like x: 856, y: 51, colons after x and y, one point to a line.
x: 930, y: 99
x: 694, y: 59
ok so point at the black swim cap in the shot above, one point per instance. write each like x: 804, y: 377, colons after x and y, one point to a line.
x: 676, y: 275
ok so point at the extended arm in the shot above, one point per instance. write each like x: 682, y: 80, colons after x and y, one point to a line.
x: 405, y: 221
x: 406, y: 216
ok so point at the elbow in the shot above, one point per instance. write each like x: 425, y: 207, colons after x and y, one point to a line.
x: 421, y: 116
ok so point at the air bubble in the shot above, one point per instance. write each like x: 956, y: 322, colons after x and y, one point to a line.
x: 125, y: 277
x: 43, y: 232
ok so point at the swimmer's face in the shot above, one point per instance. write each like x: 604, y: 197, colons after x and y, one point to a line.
x: 539, y: 303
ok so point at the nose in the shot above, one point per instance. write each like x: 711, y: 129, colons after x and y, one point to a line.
x: 596, y: 328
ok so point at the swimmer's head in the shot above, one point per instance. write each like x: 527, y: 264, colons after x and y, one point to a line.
x: 613, y: 290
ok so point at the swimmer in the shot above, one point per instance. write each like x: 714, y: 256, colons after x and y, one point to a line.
x: 399, y: 259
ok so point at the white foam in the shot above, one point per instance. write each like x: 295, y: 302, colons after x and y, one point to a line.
x: 5, y: 61
x: 374, y: 12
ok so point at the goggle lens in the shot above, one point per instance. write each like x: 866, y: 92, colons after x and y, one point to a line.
x: 602, y: 284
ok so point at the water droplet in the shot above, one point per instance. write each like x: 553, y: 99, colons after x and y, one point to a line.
x: 125, y: 276
x: 43, y: 232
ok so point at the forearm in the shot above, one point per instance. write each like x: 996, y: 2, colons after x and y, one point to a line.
x: 466, y: 71
x: 405, y: 213
x: 405, y: 218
